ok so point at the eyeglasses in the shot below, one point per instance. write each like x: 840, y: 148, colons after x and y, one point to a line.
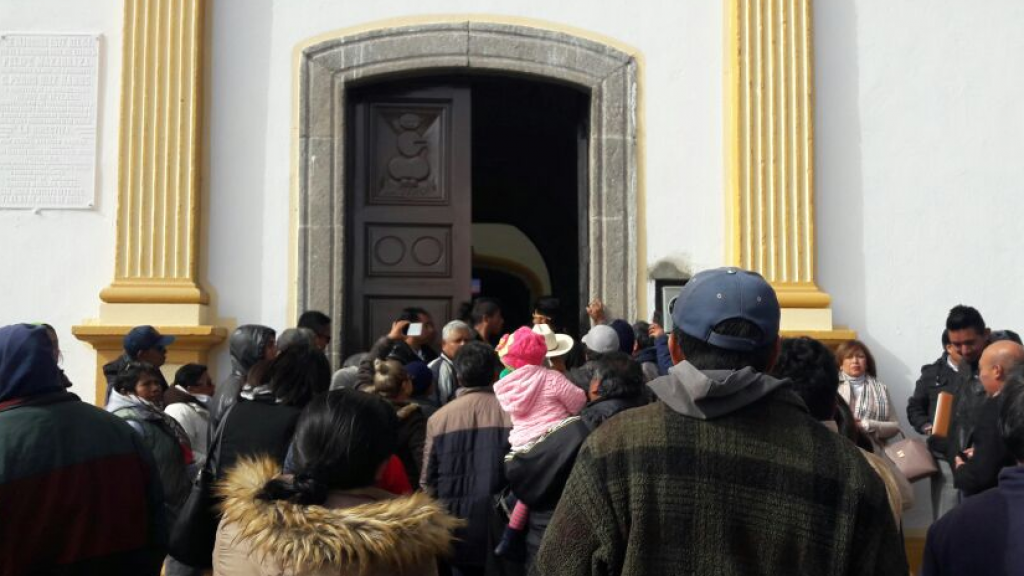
x: 541, y: 319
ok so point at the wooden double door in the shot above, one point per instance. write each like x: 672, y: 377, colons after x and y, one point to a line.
x: 410, y: 207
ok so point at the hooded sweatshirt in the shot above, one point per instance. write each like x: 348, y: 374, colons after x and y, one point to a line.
x: 537, y: 398
x: 77, y: 487
x: 246, y: 344
x: 710, y: 394
x: 26, y: 364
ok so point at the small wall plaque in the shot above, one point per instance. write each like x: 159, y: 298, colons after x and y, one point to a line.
x: 48, y: 101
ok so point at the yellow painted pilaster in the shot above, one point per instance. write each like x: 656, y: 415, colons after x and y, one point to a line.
x: 157, y: 254
x: 770, y: 154
x: 156, y: 260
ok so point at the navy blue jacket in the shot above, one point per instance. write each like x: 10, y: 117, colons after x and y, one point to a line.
x: 664, y: 356
x: 982, y: 536
x: 466, y: 444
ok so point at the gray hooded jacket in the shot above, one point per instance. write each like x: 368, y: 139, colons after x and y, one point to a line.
x: 246, y: 344
x: 710, y: 394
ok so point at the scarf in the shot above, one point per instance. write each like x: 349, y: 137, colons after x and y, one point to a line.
x: 871, y: 403
x: 264, y: 392
x: 146, y: 410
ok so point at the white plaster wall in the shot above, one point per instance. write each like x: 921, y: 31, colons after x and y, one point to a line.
x: 250, y: 127
x: 919, y: 123
x: 53, y: 264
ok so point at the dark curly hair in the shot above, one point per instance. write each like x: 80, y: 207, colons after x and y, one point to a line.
x: 963, y: 317
x: 296, y: 375
x: 620, y: 376
x: 811, y: 367
x: 131, y: 373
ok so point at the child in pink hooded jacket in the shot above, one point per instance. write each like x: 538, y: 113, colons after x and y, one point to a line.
x: 536, y: 398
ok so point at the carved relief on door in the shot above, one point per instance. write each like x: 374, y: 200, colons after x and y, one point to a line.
x: 407, y: 167
x: 411, y: 207
x: 408, y: 251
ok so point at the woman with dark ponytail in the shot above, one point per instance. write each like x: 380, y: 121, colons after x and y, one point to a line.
x: 328, y: 518
x: 392, y: 382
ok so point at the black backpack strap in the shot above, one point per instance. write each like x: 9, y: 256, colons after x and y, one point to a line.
x: 213, y: 451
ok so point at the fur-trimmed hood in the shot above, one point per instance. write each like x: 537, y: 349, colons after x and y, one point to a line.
x: 397, y: 534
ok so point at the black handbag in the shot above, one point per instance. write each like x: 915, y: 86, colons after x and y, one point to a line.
x: 195, y: 531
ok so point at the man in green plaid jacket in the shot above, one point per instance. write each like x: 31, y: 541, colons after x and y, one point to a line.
x: 727, y: 473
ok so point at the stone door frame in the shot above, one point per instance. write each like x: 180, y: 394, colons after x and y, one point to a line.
x: 329, y: 68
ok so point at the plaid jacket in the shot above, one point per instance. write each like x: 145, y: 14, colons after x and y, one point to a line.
x: 763, y: 490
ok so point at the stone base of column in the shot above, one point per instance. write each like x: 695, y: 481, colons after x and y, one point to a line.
x: 807, y: 311
x: 817, y: 319
x: 194, y: 337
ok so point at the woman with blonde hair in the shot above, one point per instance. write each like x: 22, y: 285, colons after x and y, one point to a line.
x: 392, y: 382
x: 867, y: 397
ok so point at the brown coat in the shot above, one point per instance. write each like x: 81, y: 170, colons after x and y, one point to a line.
x: 365, y: 532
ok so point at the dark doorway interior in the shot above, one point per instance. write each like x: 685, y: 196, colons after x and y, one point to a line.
x: 529, y: 145
x: 435, y: 157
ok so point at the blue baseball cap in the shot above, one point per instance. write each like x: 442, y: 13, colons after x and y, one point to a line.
x: 714, y: 296
x: 143, y: 338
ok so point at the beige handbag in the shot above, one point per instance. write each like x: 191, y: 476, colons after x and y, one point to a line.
x: 912, y: 457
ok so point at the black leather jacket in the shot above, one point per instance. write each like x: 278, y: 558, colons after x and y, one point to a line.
x: 935, y: 377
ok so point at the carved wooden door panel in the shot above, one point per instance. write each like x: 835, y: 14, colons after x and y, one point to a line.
x: 409, y: 233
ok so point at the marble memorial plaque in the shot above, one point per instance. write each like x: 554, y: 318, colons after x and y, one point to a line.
x: 48, y: 100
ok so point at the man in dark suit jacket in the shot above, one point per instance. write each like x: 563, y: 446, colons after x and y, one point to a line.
x: 977, y: 469
x: 982, y: 536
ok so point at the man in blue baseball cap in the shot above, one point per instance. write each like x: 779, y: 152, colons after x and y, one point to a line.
x: 141, y: 344
x: 727, y: 473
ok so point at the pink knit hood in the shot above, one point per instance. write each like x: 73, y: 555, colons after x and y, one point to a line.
x: 537, y: 398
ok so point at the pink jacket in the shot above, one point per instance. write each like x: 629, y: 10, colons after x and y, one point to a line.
x: 537, y: 398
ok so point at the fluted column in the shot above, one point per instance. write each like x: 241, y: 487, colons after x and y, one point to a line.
x: 770, y: 153
x: 156, y: 259
x: 157, y: 252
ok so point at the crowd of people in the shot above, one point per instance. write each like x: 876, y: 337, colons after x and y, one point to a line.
x: 716, y: 448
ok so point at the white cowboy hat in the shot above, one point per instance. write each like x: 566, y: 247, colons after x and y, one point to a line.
x: 557, y: 344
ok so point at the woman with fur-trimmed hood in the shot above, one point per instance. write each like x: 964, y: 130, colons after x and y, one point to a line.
x: 328, y: 518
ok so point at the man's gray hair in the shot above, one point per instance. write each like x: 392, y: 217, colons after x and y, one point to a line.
x: 454, y: 326
x: 296, y: 336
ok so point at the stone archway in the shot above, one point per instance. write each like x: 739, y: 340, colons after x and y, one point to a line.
x: 330, y: 67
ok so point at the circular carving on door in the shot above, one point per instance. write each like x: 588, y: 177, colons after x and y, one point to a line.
x: 427, y: 251
x: 389, y: 250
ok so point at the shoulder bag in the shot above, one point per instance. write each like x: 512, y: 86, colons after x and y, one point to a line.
x: 195, y: 531
x: 912, y: 457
